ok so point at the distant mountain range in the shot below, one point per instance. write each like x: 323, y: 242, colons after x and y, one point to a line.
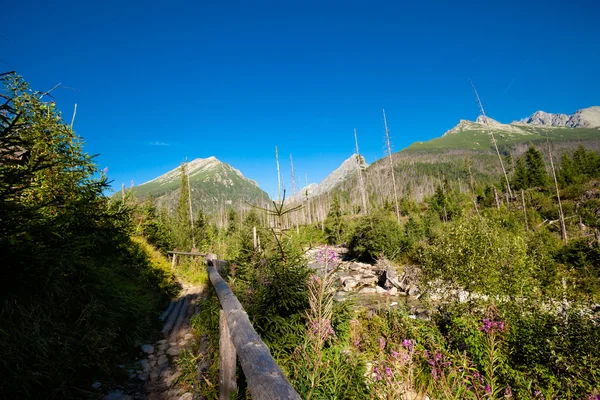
x: 215, y: 184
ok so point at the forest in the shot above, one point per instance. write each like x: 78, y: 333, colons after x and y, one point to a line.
x: 509, y: 273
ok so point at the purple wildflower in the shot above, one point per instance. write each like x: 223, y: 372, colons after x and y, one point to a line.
x: 490, y: 325
x: 488, y: 389
x: 409, y: 344
x: 394, y: 354
x: 508, y: 392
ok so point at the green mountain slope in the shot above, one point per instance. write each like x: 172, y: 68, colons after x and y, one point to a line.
x: 213, y: 184
x: 423, y: 165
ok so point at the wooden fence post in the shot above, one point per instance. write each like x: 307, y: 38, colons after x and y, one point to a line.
x: 227, y: 357
x: 174, y: 262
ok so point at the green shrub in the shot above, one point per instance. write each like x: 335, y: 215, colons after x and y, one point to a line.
x: 377, y: 235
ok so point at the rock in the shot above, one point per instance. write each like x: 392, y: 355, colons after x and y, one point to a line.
x: 143, y: 377
x: 369, y: 280
x: 162, y: 360
x: 153, y: 363
x: 187, y: 396
x: 163, y: 341
x: 96, y: 385
x: 393, y: 303
x: 393, y: 291
x: 151, y: 356
x: 350, y: 284
x: 380, y: 290
x: 117, y: 395
x: 163, y: 347
x: 188, y: 336
x: 413, y: 291
x: 154, y: 374
x: 174, y: 351
x: 148, y: 349
x: 172, y: 344
x: 367, y: 290
x: 145, y: 365
x: 355, y: 267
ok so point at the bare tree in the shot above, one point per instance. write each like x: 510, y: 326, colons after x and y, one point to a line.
x: 389, y: 153
x: 485, y: 121
x: 361, y: 183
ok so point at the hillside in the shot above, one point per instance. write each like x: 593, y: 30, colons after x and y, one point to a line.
x: 213, y: 184
x: 423, y: 165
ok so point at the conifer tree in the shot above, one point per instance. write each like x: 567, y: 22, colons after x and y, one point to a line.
x: 536, y: 169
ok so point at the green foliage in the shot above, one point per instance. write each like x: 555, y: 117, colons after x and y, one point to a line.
x: 333, y: 222
x: 377, y: 235
x: 78, y: 291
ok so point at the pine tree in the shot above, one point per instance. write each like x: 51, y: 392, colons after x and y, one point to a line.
x: 520, y: 178
x: 333, y: 222
x: 182, y: 232
x: 536, y: 169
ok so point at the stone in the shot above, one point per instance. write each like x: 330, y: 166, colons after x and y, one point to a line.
x: 145, y: 365
x: 393, y: 303
x: 96, y: 385
x: 393, y: 291
x: 160, y: 342
x: 148, y: 349
x: 174, y: 351
x: 151, y: 356
x: 162, y: 360
x: 154, y: 374
x: 172, y: 344
x: 143, y: 377
x: 117, y: 395
x: 413, y: 291
x: 380, y: 290
x: 188, y: 336
x: 355, y: 267
x: 153, y: 363
x: 186, y: 396
x: 162, y: 347
x: 367, y: 290
x: 369, y: 280
x: 350, y: 284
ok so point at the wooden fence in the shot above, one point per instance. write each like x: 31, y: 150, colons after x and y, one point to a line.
x: 238, y: 338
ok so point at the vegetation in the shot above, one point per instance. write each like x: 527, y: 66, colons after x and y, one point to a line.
x: 513, y: 307
x: 78, y: 290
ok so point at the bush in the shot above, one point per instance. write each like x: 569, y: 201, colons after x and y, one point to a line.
x: 377, y: 235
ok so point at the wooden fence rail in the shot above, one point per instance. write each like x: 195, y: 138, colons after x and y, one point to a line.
x: 266, y: 380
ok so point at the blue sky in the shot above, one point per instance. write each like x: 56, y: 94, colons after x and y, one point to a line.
x: 156, y: 82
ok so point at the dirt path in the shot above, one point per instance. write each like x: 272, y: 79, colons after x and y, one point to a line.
x: 155, y: 376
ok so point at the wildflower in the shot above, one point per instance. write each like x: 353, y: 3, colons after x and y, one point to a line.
x: 490, y: 325
x: 488, y: 389
x: 388, y: 371
x: 508, y: 392
x: 409, y: 344
x: 376, y: 374
x: 394, y: 354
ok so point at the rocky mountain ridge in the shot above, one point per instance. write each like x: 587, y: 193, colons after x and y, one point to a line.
x: 584, y: 118
x: 347, y: 169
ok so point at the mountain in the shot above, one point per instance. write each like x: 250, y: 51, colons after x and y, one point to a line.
x: 345, y: 171
x: 468, y: 146
x: 584, y: 118
x: 213, y: 184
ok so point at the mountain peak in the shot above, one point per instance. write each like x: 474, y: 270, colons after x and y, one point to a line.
x: 347, y: 169
x: 584, y: 118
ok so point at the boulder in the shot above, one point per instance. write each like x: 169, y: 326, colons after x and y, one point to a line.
x: 380, y: 290
x: 174, y: 351
x: 148, y: 349
x: 162, y: 360
x: 350, y: 284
